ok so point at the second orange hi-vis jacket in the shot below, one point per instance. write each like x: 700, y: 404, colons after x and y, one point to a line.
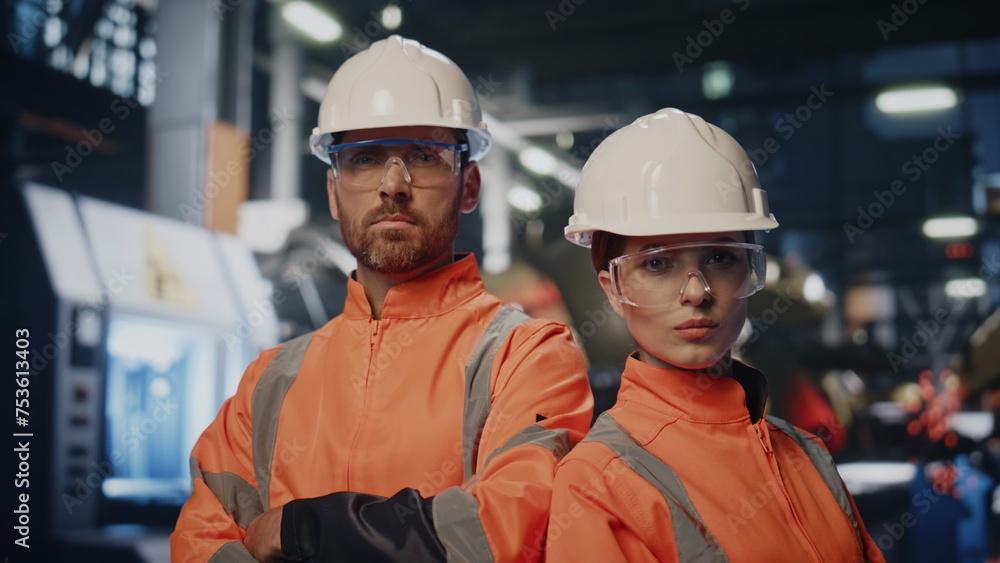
x: 685, y: 467
x: 430, y: 433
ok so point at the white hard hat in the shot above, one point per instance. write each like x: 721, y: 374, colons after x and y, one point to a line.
x: 668, y: 173
x: 399, y: 82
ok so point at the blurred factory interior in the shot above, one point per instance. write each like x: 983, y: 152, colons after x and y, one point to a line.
x: 163, y: 222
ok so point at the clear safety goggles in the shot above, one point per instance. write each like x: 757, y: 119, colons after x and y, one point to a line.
x: 424, y: 164
x: 726, y: 270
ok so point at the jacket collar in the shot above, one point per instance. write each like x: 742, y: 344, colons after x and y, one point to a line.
x: 696, y: 396
x: 432, y: 294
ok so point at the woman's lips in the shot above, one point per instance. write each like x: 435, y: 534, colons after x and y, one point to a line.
x: 696, y: 329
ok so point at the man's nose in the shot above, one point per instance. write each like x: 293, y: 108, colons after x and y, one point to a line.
x: 396, y: 180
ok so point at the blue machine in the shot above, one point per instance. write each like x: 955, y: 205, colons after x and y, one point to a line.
x: 140, y: 327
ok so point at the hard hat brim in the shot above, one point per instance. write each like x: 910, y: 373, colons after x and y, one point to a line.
x: 580, y: 231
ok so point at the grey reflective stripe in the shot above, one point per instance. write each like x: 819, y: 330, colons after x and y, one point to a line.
x: 239, y: 499
x: 556, y: 441
x: 695, y: 543
x: 823, y: 462
x: 456, y: 520
x: 265, y: 407
x: 232, y: 552
x: 477, y: 382
x: 455, y: 512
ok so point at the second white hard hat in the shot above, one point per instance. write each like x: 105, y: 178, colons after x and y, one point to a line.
x: 669, y: 172
x: 399, y: 82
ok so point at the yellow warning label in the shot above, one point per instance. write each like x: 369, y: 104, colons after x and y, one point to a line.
x: 163, y: 281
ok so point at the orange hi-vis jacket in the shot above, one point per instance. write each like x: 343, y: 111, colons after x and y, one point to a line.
x: 451, y: 394
x: 685, y: 467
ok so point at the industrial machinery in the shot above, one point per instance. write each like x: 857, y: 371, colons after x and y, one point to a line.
x: 138, y: 327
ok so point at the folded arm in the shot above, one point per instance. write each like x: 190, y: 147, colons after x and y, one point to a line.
x: 541, y: 405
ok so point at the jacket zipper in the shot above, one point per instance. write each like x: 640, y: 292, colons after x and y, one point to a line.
x: 776, y: 475
x: 764, y: 443
x: 362, y: 419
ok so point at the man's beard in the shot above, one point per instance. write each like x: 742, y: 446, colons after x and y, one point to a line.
x: 398, y: 252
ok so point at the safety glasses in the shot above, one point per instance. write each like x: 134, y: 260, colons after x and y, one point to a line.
x: 726, y: 270
x: 424, y: 164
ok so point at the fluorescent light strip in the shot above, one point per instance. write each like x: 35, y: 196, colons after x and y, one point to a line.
x: 311, y: 21
x: 965, y: 288
x: 950, y: 227
x: 524, y: 198
x: 916, y: 100
x: 538, y: 161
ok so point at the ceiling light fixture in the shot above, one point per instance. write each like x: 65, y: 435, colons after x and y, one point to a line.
x: 814, y: 290
x: 392, y: 16
x: 524, y: 198
x: 538, y: 161
x: 311, y: 21
x: 950, y: 227
x: 912, y: 100
x: 968, y: 288
x: 717, y: 80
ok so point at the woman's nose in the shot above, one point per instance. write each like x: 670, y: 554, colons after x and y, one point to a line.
x: 694, y: 288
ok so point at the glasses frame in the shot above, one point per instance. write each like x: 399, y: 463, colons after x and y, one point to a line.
x: 335, y: 150
x: 614, y: 267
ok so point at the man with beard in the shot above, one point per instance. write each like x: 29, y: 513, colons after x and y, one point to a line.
x: 424, y: 422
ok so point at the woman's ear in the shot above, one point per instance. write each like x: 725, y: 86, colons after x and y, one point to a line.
x: 604, y: 278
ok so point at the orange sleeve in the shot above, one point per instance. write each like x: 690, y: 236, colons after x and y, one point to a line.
x: 872, y: 553
x: 541, y: 406
x: 606, y: 515
x: 224, y: 451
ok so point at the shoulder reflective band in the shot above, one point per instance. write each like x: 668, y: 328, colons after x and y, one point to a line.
x: 823, y: 462
x: 240, y: 499
x: 695, y: 543
x: 265, y: 407
x: 477, y: 382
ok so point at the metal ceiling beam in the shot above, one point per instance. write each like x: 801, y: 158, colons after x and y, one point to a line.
x: 552, y: 125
